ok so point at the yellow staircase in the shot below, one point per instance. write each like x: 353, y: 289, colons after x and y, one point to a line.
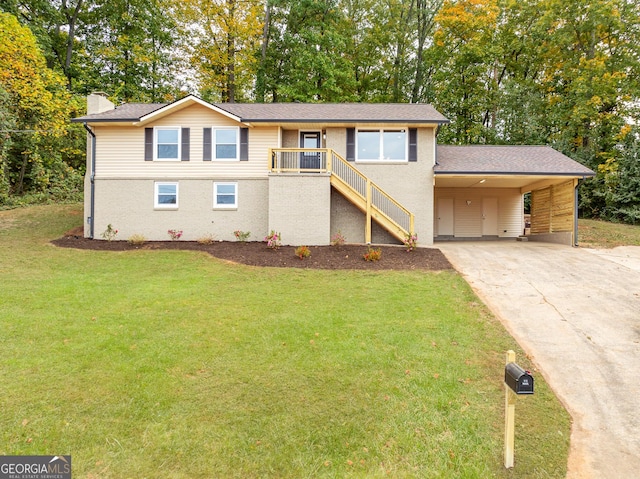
x: 368, y: 197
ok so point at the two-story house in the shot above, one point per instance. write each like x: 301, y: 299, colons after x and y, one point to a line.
x: 372, y: 172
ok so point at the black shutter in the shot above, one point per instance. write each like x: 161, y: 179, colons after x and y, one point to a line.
x: 244, y: 144
x: 351, y: 144
x: 206, y: 145
x: 148, y: 144
x: 185, y: 144
x: 413, y: 144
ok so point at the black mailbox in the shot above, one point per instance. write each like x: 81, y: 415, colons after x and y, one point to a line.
x: 519, y: 380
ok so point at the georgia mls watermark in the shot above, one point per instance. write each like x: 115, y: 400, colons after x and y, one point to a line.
x: 35, y: 467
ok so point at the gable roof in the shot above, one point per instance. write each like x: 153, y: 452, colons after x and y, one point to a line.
x: 506, y: 160
x: 283, y: 112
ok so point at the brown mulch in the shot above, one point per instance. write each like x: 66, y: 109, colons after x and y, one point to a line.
x: 257, y: 254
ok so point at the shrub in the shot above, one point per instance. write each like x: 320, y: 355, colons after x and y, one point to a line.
x: 137, y: 239
x: 273, y: 240
x: 338, y: 239
x: 209, y: 238
x: 303, y: 252
x: 372, y: 254
x: 174, y: 234
x: 110, y: 233
x: 242, y: 235
x: 411, y: 241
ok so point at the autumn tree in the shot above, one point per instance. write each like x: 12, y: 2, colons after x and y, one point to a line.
x: 36, y: 106
x: 466, y: 80
x: 223, y: 38
x: 55, y: 24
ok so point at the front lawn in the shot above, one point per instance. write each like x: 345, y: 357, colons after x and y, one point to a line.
x: 175, y: 364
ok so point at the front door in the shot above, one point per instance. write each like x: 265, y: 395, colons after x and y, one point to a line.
x: 310, y: 160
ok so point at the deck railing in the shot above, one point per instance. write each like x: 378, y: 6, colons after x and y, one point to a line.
x: 363, y: 192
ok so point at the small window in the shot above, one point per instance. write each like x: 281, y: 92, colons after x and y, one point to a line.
x: 166, y: 195
x: 225, y: 195
x: 167, y: 143
x: 225, y: 142
x: 381, y: 145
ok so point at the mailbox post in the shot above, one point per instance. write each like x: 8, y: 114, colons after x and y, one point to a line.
x: 516, y: 381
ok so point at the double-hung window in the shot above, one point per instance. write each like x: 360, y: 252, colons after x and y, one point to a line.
x: 166, y: 195
x: 225, y: 141
x: 167, y: 143
x: 381, y: 145
x: 225, y: 195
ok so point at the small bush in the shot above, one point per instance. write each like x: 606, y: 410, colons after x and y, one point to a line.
x: 206, y: 239
x: 174, y: 234
x: 137, y: 239
x: 303, y: 252
x: 273, y: 240
x: 372, y: 254
x: 110, y: 233
x: 241, y: 235
x: 411, y: 241
x: 338, y: 239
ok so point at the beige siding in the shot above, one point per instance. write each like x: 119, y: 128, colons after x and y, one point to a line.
x: 468, y: 217
x: 120, y: 150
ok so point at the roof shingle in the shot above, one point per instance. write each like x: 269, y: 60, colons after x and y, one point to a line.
x: 506, y: 160
x: 293, y: 112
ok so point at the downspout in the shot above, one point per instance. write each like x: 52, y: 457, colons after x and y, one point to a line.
x: 575, y: 213
x: 92, y: 178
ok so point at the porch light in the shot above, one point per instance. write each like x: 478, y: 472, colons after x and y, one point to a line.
x: 468, y: 202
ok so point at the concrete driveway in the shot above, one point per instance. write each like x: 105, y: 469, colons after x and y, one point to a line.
x: 576, y: 311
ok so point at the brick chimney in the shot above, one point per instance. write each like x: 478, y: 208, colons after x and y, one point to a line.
x: 97, y: 102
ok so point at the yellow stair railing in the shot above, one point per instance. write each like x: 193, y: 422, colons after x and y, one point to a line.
x: 367, y: 196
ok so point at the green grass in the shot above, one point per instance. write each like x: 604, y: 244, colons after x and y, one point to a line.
x: 174, y: 364
x: 602, y: 234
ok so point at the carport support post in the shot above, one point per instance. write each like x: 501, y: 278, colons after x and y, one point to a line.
x: 509, y: 417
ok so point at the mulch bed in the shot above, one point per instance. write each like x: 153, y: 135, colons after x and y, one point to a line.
x: 257, y: 254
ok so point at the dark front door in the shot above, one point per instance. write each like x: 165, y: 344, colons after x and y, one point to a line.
x: 310, y: 160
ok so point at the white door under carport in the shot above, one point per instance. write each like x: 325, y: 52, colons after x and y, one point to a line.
x: 489, y: 216
x: 445, y: 217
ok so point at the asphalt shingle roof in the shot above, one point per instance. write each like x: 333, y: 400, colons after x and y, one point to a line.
x: 334, y: 112
x: 507, y: 160
x: 293, y: 112
x: 125, y: 112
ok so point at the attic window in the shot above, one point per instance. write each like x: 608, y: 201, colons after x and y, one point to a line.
x: 381, y: 145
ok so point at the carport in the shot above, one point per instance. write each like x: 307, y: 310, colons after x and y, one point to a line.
x: 479, y: 193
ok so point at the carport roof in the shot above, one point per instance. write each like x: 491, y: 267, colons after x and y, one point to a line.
x: 506, y: 160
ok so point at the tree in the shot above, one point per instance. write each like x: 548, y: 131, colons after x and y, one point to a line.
x: 130, y: 45
x: 36, y: 108
x: 466, y: 79
x: 306, y: 57
x: 55, y: 24
x: 223, y: 40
